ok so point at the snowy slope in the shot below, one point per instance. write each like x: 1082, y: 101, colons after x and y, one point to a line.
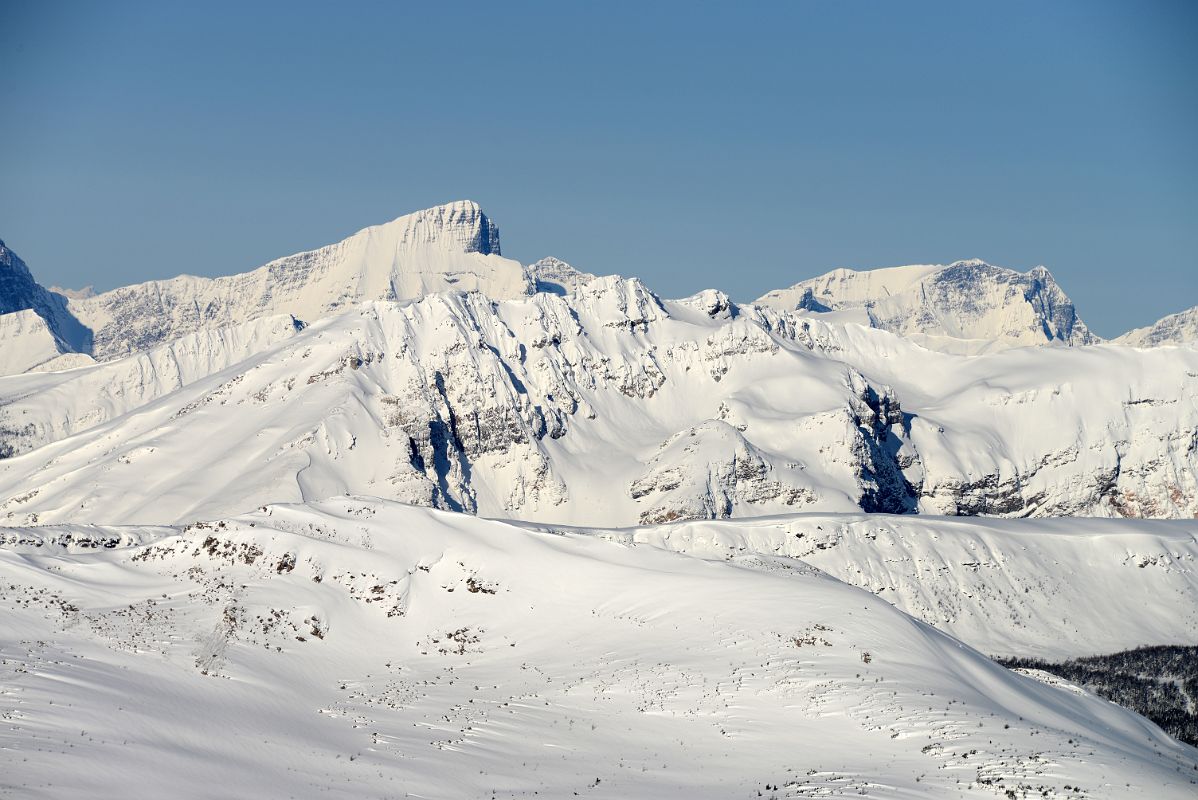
x: 966, y: 307
x: 1180, y: 328
x: 358, y: 649
x: 590, y: 400
x: 41, y: 408
x: 607, y: 406
x: 1050, y: 589
x: 27, y: 340
x: 533, y: 408
x: 1101, y: 430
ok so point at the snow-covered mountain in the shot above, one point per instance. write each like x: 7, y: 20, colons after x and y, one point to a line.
x: 1179, y: 328
x: 203, y: 569
x: 965, y: 307
x: 35, y: 325
x: 580, y: 399
x: 450, y: 247
x: 446, y: 248
x: 556, y: 276
x: 606, y: 406
x: 357, y: 648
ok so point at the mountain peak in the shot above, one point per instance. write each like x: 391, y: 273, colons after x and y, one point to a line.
x: 47, y: 328
x: 12, y: 264
x: 447, y: 248
x: 555, y: 276
x: 967, y: 306
x: 1176, y: 329
x: 971, y: 262
x: 74, y: 294
x: 460, y: 225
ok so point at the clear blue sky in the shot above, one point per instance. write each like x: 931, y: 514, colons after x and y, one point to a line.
x: 741, y: 146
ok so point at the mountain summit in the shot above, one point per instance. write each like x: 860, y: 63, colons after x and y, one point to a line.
x: 449, y: 247
x: 1175, y: 329
x: 964, y: 307
x: 967, y: 308
x: 35, y: 325
x: 460, y: 226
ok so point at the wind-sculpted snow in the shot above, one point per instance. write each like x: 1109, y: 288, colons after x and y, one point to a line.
x: 966, y: 307
x: 361, y: 649
x: 605, y: 406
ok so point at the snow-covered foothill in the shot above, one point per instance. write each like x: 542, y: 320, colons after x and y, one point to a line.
x: 1036, y: 588
x: 358, y: 648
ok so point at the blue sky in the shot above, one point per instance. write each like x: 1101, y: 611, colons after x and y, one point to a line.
x: 740, y: 146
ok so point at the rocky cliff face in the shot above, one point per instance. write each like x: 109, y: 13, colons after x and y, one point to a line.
x: 609, y: 404
x: 545, y: 407
x: 965, y: 307
x: 590, y: 400
x: 556, y: 276
x: 35, y: 325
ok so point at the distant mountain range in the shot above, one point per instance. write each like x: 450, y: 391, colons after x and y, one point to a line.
x: 967, y: 307
x: 412, y: 361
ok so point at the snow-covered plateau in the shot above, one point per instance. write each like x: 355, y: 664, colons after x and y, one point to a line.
x: 403, y: 517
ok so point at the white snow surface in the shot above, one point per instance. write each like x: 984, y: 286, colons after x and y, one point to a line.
x: 357, y: 648
x: 27, y: 341
x: 1050, y: 589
